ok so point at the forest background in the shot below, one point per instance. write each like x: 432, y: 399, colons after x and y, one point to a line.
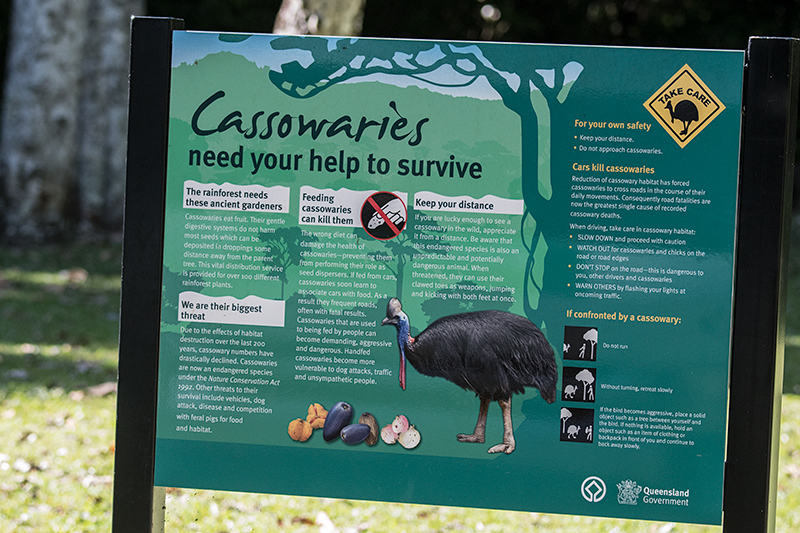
x: 64, y: 94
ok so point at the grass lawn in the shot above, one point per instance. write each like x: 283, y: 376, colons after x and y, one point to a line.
x: 58, y: 339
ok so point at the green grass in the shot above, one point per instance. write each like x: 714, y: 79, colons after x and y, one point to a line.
x: 58, y: 347
x: 791, y: 379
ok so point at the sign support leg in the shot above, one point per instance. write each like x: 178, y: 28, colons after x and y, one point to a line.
x: 151, y: 50
x: 159, y: 509
x: 756, y: 376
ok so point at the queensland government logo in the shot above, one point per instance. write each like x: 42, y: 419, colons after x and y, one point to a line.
x: 628, y: 492
x: 684, y: 106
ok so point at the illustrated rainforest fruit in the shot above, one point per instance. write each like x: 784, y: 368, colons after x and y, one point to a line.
x: 368, y: 419
x: 388, y: 435
x: 354, y: 433
x: 400, y: 424
x: 400, y: 431
x: 300, y: 430
x: 409, y: 438
x: 338, y: 417
x: 316, y: 415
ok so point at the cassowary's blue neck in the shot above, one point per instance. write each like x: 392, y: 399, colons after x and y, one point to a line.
x: 403, y: 330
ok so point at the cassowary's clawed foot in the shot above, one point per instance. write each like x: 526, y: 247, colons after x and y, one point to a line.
x: 506, y: 447
x: 470, y: 438
x: 509, y: 443
x: 478, y: 435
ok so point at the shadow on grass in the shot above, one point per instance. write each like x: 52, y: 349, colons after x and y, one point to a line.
x: 67, y: 306
x: 79, y: 317
x: 30, y: 371
x: 59, y: 312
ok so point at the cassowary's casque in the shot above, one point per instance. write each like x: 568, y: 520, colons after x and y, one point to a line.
x: 493, y: 353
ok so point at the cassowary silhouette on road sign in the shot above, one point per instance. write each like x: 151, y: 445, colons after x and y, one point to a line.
x: 493, y: 353
x: 685, y: 111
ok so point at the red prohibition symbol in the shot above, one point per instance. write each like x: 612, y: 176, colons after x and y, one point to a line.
x: 384, y: 215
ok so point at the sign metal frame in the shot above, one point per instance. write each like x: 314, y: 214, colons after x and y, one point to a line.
x: 772, y: 81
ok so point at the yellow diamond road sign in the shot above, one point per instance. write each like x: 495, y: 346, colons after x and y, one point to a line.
x: 684, y: 106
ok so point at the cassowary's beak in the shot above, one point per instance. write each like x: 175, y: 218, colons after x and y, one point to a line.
x: 389, y: 321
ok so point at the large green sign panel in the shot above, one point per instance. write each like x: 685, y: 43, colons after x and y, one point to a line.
x: 417, y: 236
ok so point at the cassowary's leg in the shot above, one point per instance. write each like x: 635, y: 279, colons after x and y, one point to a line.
x: 508, y: 430
x: 479, y: 435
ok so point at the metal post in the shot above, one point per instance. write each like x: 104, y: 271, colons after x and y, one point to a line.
x: 159, y: 509
x: 770, y: 121
x: 151, y: 50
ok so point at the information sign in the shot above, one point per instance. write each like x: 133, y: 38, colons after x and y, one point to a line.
x: 322, y: 189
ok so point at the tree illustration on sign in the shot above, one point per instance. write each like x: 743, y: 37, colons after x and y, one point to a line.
x: 566, y: 414
x: 532, y: 92
x: 399, y: 254
x: 591, y: 337
x: 585, y: 376
x: 282, y: 250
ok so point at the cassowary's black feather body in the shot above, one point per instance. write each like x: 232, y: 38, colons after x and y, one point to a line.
x: 494, y: 353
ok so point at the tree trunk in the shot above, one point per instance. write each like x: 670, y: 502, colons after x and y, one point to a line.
x: 103, y: 117
x: 320, y: 17
x: 40, y: 116
x: 62, y: 136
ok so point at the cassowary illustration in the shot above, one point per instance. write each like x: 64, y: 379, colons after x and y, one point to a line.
x: 685, y: 111
x: 493, y: 353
